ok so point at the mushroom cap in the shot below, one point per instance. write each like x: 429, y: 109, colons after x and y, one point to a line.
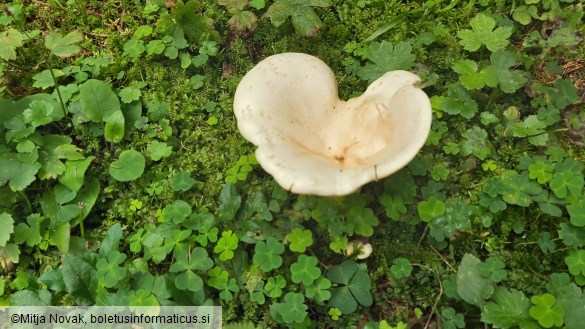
x: 312, y: 142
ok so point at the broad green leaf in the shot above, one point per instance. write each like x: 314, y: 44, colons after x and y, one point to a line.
x: 386, y: 57
x: 10, y: 39
x: 129, y: 166
x: 229, y: 201
x: 38, y: 113
x: 44, y: 79
x: 98, y: 100
x: 483, y: 33
x: 114, y: 128
x: 469, y: 76
x: 63, y: 46
x: 471, y: 285
x: 243, y: 20
x: 7, y: 225
x: 75, y: 173
x: 143, y: 31
x: 304, y: 19
x: 17, y: 174
x: 29, y: 232
x: 86, y: 198
x: 9, y: 255
x: 29, y: 297
x: 401, y: 268
x: 80, y: 279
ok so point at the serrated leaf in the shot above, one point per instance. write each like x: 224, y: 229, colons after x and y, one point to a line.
x: 80, y: 279
x: 507, y: 309
x: 16, y: 173
x: 483, y: 33
x: 44, y: 79
x: 304, y: 19
x: 9, y: 41
x: 130, y: 94
x: 500, y: 73
x: 157, y: 150
x: 63, y: 46
x: 182, y: 181
x: 386, y: 57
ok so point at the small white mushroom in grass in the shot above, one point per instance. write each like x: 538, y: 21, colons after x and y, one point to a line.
x: 358, y: 249
x: 312, y: 142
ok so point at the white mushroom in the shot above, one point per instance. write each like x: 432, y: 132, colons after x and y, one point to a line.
x: 312, y: 142
x: 358, y: 249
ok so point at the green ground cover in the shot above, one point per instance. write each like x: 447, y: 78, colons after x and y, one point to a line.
x: 124, y: 180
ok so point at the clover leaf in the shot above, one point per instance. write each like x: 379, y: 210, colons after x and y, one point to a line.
x: 428, y: 210
x: 110, y: 270
x: 540, y: 171
x: 299, y: 240
x: 476, y: 143
x: 129, y: 166
x: 177, y: 211
x: 401, y: 268
x: 130, y: 94
x: 274, y: 286
x: 452, y: 319
x: 576, y: 262
x: 226, y: 245
x: 305, y: 270
x: 547, y: 311
x: 293, y: 310
x: 353, y: 287
x: 304, y: 19
x: 319, y: 290
x: 267, y: 254
x: 197, y: 260
x: 483, y: 33
x: 576, y: 211
x: 394, y: 206
x: 182, y: 181
x: 565, y: 182
x: 493, y: 268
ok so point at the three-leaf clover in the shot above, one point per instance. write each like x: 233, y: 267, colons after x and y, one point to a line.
x: 541, y: 171
x: 353, y: 287
x: 187, y: 263
x: 319, y: 290
x: 182, y: 181
x: 267, y: 254
x: 547, y: 311
x: 274, y: 286
x: 401, y: 268
x: 428, y: 210
x: 394, y: 206
x: 299, y: 240
x: 305, y: 270
x: 483, y: 33
x: 576, y: 211
x: 493, y: 268
x: 110, y: 270
x: 226, y: 245
x: 293, y: 310
x: 576, y: 262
